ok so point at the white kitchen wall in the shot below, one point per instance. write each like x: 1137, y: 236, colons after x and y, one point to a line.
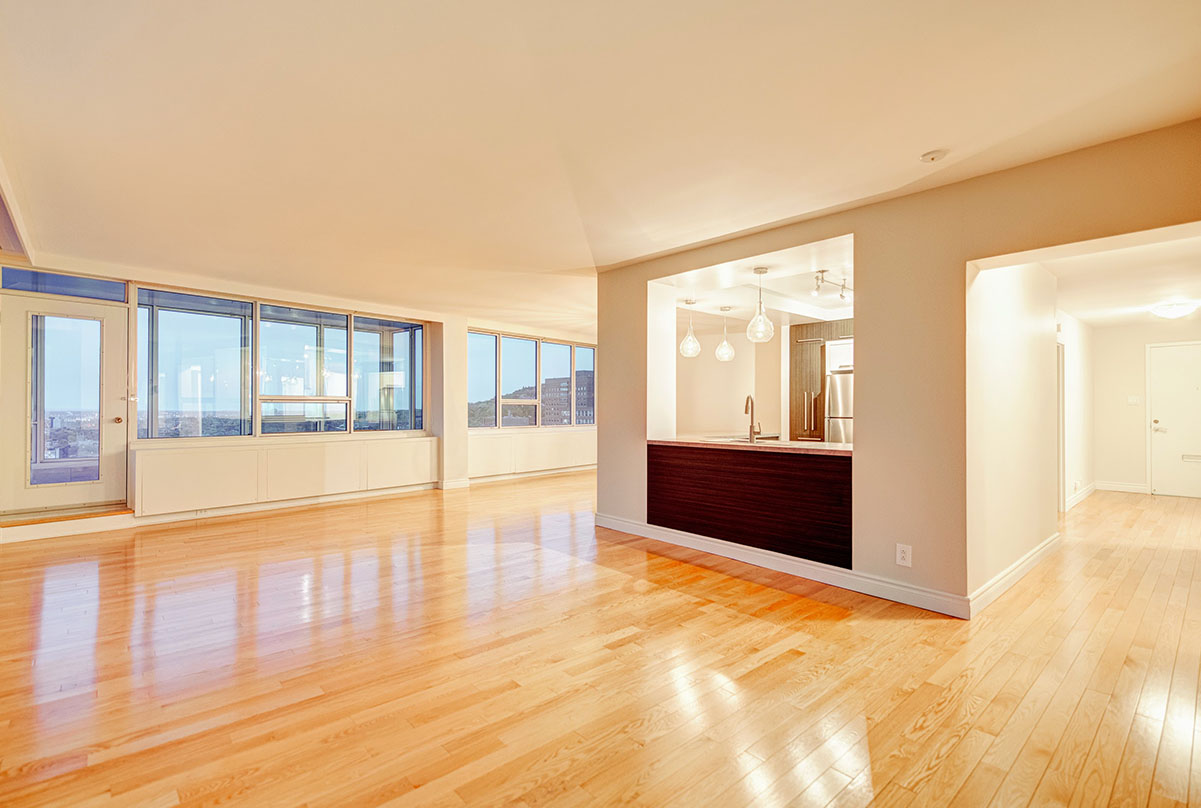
x: 1078, y: 419
x: 1119, y: 391
x: 711, y: 395
x: 1012, y: 417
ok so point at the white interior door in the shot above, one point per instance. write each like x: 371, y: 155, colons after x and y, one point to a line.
x: 63, y: 364
x: 1175, y: 408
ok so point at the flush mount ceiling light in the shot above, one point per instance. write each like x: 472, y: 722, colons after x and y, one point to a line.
x: 933, y: 156
x: 725, y: 351
x: 1174, y: 310
x: 690, y: 346
x: 760, y: 329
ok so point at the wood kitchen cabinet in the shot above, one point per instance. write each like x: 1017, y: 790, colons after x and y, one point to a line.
x: 807, y: 376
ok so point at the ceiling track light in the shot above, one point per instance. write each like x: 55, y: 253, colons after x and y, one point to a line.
x: 690, y: 346
x: 725, y: 351
x: 760, y: 328
x: 844, y: 291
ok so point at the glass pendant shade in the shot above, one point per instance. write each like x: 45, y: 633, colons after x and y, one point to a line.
x: 690, y: 346
x: 760, y: 328
x: 725, y: 351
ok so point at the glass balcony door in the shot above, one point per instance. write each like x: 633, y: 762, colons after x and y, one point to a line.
x: 63, y: 366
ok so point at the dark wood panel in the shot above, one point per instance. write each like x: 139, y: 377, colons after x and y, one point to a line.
x: 807, y: 375
x: 797, y: 504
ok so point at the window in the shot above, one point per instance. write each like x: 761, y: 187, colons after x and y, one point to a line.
x: 555, y: 384
x: 281, y: 417
x: 195, y: 378
x: 537, y: 383
x: 64, y: 400
x: 387, y: 375
x: 481, y: 380
x: 193, y: 365
x: 52, y: 283
x: 518, y: 380
x: 303, y: 353
x: 585, y: 385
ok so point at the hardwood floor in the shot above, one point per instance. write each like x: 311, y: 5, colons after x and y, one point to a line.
x: 490, y: 647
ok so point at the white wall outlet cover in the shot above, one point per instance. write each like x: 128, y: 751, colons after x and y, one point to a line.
x: 904, y: 555
x: 1134, y: 401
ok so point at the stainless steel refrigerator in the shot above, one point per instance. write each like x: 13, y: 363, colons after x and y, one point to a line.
x: 840, y: 411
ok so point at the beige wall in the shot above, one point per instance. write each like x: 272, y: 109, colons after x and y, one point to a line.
x: 1078, y: 419
x: 1120, y: 395
x: 910, y: 334
x: 1012, y: 417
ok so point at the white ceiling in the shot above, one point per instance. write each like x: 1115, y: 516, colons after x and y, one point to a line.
x: 787, y: 284
x: 484, y: 157
x: 1116, y: 287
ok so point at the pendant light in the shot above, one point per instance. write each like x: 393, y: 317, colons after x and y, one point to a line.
x: 760, y: 329
x: 690, y: 346
x: 725, y: 351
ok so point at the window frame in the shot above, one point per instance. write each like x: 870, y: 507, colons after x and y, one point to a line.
x: 415, y: 399
x: 260, y: 399
x: 251, y: 371
x: 537, y: 401
x: 249, y: 340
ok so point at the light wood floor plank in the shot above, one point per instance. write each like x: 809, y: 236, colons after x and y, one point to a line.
x: 490, y: 646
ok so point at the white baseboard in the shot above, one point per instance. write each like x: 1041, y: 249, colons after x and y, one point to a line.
x: 921, y: 597
x: 1081, y: 495
x: 1129, y: 488
x: 521, y: 475
x: 448, y: 485
x: 1009, y: 576
x: 125, y: 521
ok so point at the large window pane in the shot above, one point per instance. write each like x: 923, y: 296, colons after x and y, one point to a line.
x: 302, y: 352
x: 65, y: 400
x: 519, y: 368
x: 518, y: 414
x: 279, y: 417
x: 585, y: 385
x: 555, y: 384
x: 418, y: 383
x: 193, y: 365
x: 481, y: 380
x: 387, y: 373
x: 143, y: 372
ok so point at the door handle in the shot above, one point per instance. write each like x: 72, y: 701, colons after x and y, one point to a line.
x: 118, y: 420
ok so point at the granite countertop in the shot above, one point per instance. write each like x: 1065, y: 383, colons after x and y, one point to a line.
x: 792, y: 446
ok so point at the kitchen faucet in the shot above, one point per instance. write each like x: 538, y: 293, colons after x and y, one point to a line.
x: 750, y: 410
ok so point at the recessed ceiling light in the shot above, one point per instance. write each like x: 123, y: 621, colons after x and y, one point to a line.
x: 1173, y: 311
x: 934, y: 155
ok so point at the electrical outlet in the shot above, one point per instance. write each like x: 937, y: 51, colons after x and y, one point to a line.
x: 1076, y: 485
x: 904, y: 555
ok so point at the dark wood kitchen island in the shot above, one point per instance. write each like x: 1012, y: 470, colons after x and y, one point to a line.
x: 785, y: 496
